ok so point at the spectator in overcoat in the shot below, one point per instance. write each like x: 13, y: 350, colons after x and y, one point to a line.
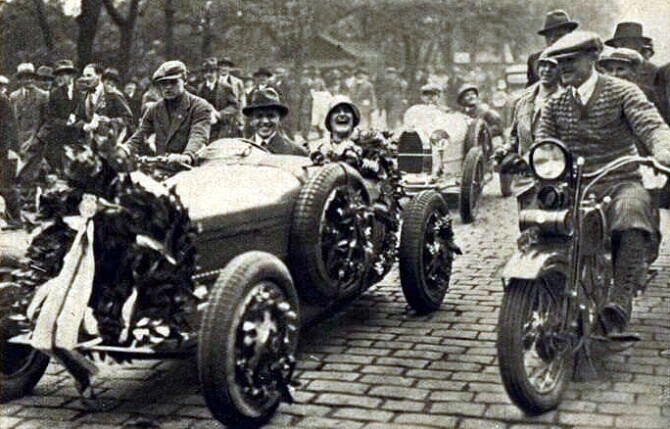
x: 29, y: 103
x: 557, y: 24
x: 222, y: 98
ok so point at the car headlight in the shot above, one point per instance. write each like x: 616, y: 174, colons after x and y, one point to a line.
x: 437, y: 136
x: 549, y: 160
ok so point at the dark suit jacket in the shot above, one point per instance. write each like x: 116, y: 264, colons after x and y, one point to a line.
x: 182, y: 130
x: 281, y: 145
x: 223, y: 99
x: 56, y: 128
x: 110, y: 104
x: 662, y: 88
x: 8, y: 140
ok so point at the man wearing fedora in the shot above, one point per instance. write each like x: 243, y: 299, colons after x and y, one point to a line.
x: 222, y: 98
x: 58, y: 128
x: 29, y: 103
x: 601, y: 118
x: 44, y: 78
x: 363, y: 96
x: 265, y: 112
x: 630, y: 35
x: 180, y: 120
x: 557, y: 24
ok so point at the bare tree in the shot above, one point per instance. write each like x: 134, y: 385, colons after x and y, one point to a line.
x: 41, y: 15
x: 87, y: 22
x: 126, y: 26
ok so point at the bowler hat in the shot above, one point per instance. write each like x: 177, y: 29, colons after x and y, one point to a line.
x: 575, y: 43
x: 64, y: 66
x: 465, y: 88
x: 624, y: 55
x: 112, y: 74
x: 170, y: 70
x: 266, y: 98
x: 557, y: 19
x: 226, y: 61
x: 342, y: 100
x: 262, y: 71
x: 45, y: 73
x: 210, y: 64
x: 25, y: 70
x: 627, y: 31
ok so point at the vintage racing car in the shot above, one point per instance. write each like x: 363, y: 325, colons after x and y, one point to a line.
x: 225, y: 260
x: 446, y: 151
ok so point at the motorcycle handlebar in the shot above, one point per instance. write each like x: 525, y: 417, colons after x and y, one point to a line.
x: 622, y: 162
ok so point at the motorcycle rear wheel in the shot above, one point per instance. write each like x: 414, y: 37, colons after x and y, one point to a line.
x: 535, y: 360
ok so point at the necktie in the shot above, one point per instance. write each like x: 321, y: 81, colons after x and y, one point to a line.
x: 577, y: 97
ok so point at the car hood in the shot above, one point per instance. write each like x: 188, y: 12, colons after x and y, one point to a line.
x: 218, y: 191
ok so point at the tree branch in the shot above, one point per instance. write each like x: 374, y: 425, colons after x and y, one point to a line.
x: 114, y: 13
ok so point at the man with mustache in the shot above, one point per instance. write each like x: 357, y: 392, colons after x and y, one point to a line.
x: 265, y: 112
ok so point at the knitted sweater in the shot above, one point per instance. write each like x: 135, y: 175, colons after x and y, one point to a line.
x: 607, y: 127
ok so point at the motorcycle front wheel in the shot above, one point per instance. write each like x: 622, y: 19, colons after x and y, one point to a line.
x: 534, y: 354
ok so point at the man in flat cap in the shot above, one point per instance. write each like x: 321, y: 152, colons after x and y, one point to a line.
x: 630, y: 35
x: 265, y: 112
x: 29, y: 103
x: 180, y: 120
x: 601, y: 118
x: 474, y: 107
x: 557, y: 24
x: 225, y: 116
x: 625, y: 63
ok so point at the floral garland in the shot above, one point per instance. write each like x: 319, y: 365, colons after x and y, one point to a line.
x: 143, y: 249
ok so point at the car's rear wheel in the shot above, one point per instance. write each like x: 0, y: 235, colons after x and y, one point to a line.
x: 478, y: 135
x: 331, y: 235
x: 426, y: 251
x: 472, y: 184
x: 248, y: 339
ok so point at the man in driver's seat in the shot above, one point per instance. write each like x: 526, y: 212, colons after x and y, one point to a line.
x: 181, y: 120
x: 600, y: 118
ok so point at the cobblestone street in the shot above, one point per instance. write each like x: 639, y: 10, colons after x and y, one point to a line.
x: 374, y: 364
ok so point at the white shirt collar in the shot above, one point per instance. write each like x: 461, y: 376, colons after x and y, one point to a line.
x: 586, y: 89
x: 261, y: 141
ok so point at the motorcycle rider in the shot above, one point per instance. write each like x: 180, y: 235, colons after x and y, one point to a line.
x: 600, y: 118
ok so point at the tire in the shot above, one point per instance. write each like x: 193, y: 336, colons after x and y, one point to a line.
x: 472, y: 183
x: 506, y: 184
x: 477, y: 135
x: 252, y: 284
x: 424, y: 288
x: 314, y: 273
x: 21, y: 366
x: 520, y: 303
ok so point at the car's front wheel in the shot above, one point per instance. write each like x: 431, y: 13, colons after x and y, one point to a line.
x: 248, y: 340
x: 426, y: 251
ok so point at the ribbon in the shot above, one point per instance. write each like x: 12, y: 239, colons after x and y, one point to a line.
x: 64, y: 299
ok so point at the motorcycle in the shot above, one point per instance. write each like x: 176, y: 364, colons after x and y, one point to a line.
x: 558, y: 281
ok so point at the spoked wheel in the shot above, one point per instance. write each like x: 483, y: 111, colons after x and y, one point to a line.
x: 478, y: 135
x: 21, y: 366
x: 534, y: 353
x: 426, y: 251
x: 248, y: 340
x: 472, y: 184
x: 331, y: 244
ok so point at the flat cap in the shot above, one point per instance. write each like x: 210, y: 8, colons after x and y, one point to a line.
x: 431, y: 88
x: 170, y: 70
x: 575, y: 43
x: 465, y: 88
x: 624, y: 55
x: 545, y: 59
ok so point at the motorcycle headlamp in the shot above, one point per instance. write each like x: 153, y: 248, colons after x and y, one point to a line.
x: 549, y: 159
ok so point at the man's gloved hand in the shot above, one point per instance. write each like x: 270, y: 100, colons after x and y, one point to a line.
x: 513, y: 163
x: 179, y: 158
